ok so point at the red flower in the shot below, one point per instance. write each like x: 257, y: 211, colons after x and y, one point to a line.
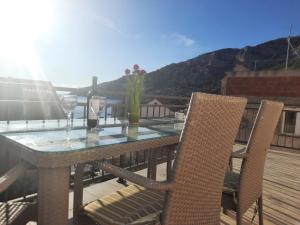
x: 136, y: 67
x: 142, y: 72
x: 127, y: 72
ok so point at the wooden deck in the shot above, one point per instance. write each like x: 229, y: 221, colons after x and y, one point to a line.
x: 281, y: 190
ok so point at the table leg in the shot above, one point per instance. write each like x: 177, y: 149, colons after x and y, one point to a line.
x: 122, y: 165
x: 78, y: 192
x: 170, y: 153
x: 149, y: 164
x: 170, y: 157
x: 53, y: 196
x: 151, y: 172
x: 4, y: 158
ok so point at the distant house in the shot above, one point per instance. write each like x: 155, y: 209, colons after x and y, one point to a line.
x: 155, y: 108
x: 22, y: 99
x: 282, y: 86
x: 161, y: 107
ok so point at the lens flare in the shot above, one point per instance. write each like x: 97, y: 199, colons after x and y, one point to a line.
x: 22, y: 24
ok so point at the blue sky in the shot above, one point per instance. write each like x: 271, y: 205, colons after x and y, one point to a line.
x: 82, y: 38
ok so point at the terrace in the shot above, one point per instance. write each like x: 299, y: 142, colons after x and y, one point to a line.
x: 281, y: 190
x: 281, y: 179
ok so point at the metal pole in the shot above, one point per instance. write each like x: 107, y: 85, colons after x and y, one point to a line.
x: 288, y: 49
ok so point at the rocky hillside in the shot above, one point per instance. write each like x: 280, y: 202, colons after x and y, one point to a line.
x: 204, y: 72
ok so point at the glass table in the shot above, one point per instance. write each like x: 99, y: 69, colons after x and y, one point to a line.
x: 53, y: 149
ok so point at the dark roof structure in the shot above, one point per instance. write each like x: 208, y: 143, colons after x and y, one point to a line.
x: 22, y: 99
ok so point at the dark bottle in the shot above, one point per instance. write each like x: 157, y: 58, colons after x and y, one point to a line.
x: 92, y: 110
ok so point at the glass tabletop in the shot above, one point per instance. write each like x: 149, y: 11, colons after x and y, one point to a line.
x: 55, y: 139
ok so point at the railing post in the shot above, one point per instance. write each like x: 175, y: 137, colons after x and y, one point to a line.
x: 105, y: 113
x: 125, y: 106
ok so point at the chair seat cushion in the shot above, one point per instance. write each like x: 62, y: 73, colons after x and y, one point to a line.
x: 14, y: 210
x: 231, y: 182
x: 133, y: 205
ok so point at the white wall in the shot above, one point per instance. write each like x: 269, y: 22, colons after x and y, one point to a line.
x: 155, y: 111
x: 297, y: 128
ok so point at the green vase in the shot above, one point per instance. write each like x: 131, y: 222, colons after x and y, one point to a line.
x: 133, y: 118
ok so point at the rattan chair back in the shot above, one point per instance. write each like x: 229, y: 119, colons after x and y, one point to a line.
x: 202, y: 159
x: 251, y: 176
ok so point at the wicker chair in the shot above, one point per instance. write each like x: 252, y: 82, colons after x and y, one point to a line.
x: 15, y: 213
x: 243, y: 189
x: 193, y: 195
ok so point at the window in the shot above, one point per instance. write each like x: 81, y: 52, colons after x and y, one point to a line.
x: 290, y: 122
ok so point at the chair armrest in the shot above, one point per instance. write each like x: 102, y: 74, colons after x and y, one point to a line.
x: 12, y: 175
x: 241, y: 153
x: 135, y: 178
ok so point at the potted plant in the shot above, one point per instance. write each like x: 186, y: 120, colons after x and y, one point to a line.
x: 135, y: 82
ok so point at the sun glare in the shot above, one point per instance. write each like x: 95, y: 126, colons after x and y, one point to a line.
x: 22, y: 23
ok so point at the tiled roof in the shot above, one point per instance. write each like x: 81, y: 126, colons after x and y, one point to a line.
x: 283, y: 85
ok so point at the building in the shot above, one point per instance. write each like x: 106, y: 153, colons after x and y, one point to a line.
x: 275, y: 85
x: 22, y: 99
x: 155, y: 108
x: 162, y: 106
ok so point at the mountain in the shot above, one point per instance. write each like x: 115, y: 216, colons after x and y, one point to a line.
x: 204, y: 72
